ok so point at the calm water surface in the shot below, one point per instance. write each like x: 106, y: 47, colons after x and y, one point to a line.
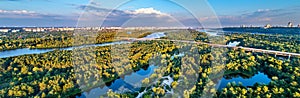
x: 24, y: 51
x: 130, y: 83
x: 233, y: 44
x: 257, y: 78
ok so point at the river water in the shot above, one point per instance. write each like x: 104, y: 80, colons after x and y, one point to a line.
x: 24, y: 51
x: 156, y: 35
x: 132, y: 82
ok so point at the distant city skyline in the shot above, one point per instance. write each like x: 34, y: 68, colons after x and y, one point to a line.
x: 48, y: 13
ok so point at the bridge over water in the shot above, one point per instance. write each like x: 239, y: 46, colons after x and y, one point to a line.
x: 276, y: 53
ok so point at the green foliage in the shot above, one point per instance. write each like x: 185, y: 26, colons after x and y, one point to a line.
x: 59, y: 73
x: 44, y: 40
x: 286, y: 43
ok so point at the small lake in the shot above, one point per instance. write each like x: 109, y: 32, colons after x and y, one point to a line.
x: 257, y: 78
x: 233, y: 44
x: 177, y: 55
x: 130, y: 83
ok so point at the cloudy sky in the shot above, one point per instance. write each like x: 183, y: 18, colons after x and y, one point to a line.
x: 211, y: 13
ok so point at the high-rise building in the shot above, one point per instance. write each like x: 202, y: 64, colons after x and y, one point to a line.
x: 290, y: 24
x: 268, y: 26
x: 243, y: 26
x: 4, y: 30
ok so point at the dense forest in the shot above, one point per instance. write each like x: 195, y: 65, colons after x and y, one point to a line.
x: 61, y: 73
x: 286, y: 43
x: 69, y: 73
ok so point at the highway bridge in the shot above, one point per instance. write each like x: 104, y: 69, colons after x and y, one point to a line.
x: 276, y: 53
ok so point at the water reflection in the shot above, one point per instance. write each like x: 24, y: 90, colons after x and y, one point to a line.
x: 257, y: 78
x: 156, y: 35
x: 233, y: 44
x: 24, y: 51
x: 212, y: 32
x: 130, y: 83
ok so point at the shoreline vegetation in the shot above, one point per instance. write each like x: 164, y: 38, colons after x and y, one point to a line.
x: 69, y: 73
x: 43, y: 40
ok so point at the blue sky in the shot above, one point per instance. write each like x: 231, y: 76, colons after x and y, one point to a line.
x: 147, y: 12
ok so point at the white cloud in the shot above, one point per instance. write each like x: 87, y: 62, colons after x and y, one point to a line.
x: 147, y: 11
x: 263, y: 10
x: 265, y: 19
x: 16, y: 12
x: 25, y: 14
x: 258, y: 17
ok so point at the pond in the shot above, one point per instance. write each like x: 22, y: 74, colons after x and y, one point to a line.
x: 24, y: 51
x: 177, y: 55
x: 257, y: 78
x: 130, y: 83
x: 233, y: 44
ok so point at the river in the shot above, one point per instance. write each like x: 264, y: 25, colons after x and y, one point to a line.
x: 156, y: 35
x: 132, y: 82
x: 24, y: 51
